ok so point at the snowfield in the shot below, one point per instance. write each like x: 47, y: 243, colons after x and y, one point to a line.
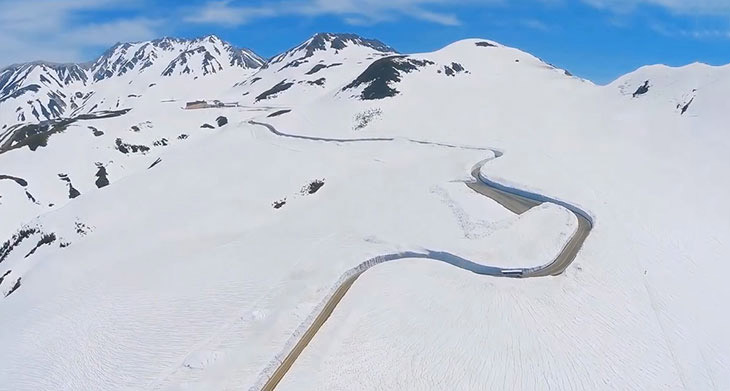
x: 377, y: 339
x: 197, y: 266
x: 237, y: 289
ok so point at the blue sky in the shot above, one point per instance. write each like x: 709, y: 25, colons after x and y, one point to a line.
x: 596, y: 39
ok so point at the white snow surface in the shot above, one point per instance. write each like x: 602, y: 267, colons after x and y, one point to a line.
x: 184, y: 277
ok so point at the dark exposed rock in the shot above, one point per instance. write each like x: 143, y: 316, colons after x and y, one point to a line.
x: 485, y: 44
x: 278, y: 113
x: 19, y: 181
x: 45, y: 240
x: 362, y: 120
x: 126, y: 148
x: 316, y: 69
x: 279, y: 204
x: 96, y: 131
x: 324, y: 41
x: 21, y: 91
x: 102, y: 179
x: 72, y: 192
x: 30, y: 197
x: 14, y: 287
x: 685, y: 107
x: 182, y: 136
x: 36, y: 135
x: 64, y: 177
x: 17, y: 238
x: 453, y: 69
x: 207, y: 126
x: 313, y: 186
x: 82, y: 229
x: 160, y: 143
x: 221, y: 121
x: 4, y: 275
x: 294, y: 64
x: 319, y: 67
x: 382, y: 74
x: 156, y: 162
x: 318, y: 82
x: 273, y: 91
x: 643, y: 89
x: 210, y: 64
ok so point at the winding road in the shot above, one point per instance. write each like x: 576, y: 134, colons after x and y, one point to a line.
x: 516, y: 200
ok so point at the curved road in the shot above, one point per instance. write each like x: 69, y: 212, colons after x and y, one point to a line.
x: 516, y: 200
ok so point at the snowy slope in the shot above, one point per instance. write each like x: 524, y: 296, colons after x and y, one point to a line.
x: 194, y: 271
x: 635, y: 302
x: 694, y: 91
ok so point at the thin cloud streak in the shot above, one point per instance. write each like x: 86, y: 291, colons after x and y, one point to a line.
x: 362, y: 12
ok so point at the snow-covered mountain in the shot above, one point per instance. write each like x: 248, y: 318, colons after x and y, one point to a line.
x: 320, y: 64
x: 144, y: 245
x: 41, y: 91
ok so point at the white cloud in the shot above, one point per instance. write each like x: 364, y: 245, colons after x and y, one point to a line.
x: 222, y: 12
x: 65, y: 30
x: 699, y: 7
x: 52, y: 30
x: 230, y: 13
x: 534, y: 24
x: 699, y: 34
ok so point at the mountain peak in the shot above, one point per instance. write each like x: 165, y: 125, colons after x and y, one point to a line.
x: 338, y: 41
x: 333, y: 42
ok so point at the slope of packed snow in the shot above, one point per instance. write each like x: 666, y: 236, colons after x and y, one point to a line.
x: 648, y: 175
x: 391, y: 332
x: 216, y: 260
x: 502, y: 82
x: 694, y: 91
x: 120, y: 145
x: 196, y: 273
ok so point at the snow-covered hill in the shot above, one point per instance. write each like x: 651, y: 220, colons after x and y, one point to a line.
x: 39, y: 91
x: 148, y: 246
x: 694, y: 91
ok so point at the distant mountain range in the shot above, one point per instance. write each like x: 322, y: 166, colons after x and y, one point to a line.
x: 127, y: 72
x: 40, y: 91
